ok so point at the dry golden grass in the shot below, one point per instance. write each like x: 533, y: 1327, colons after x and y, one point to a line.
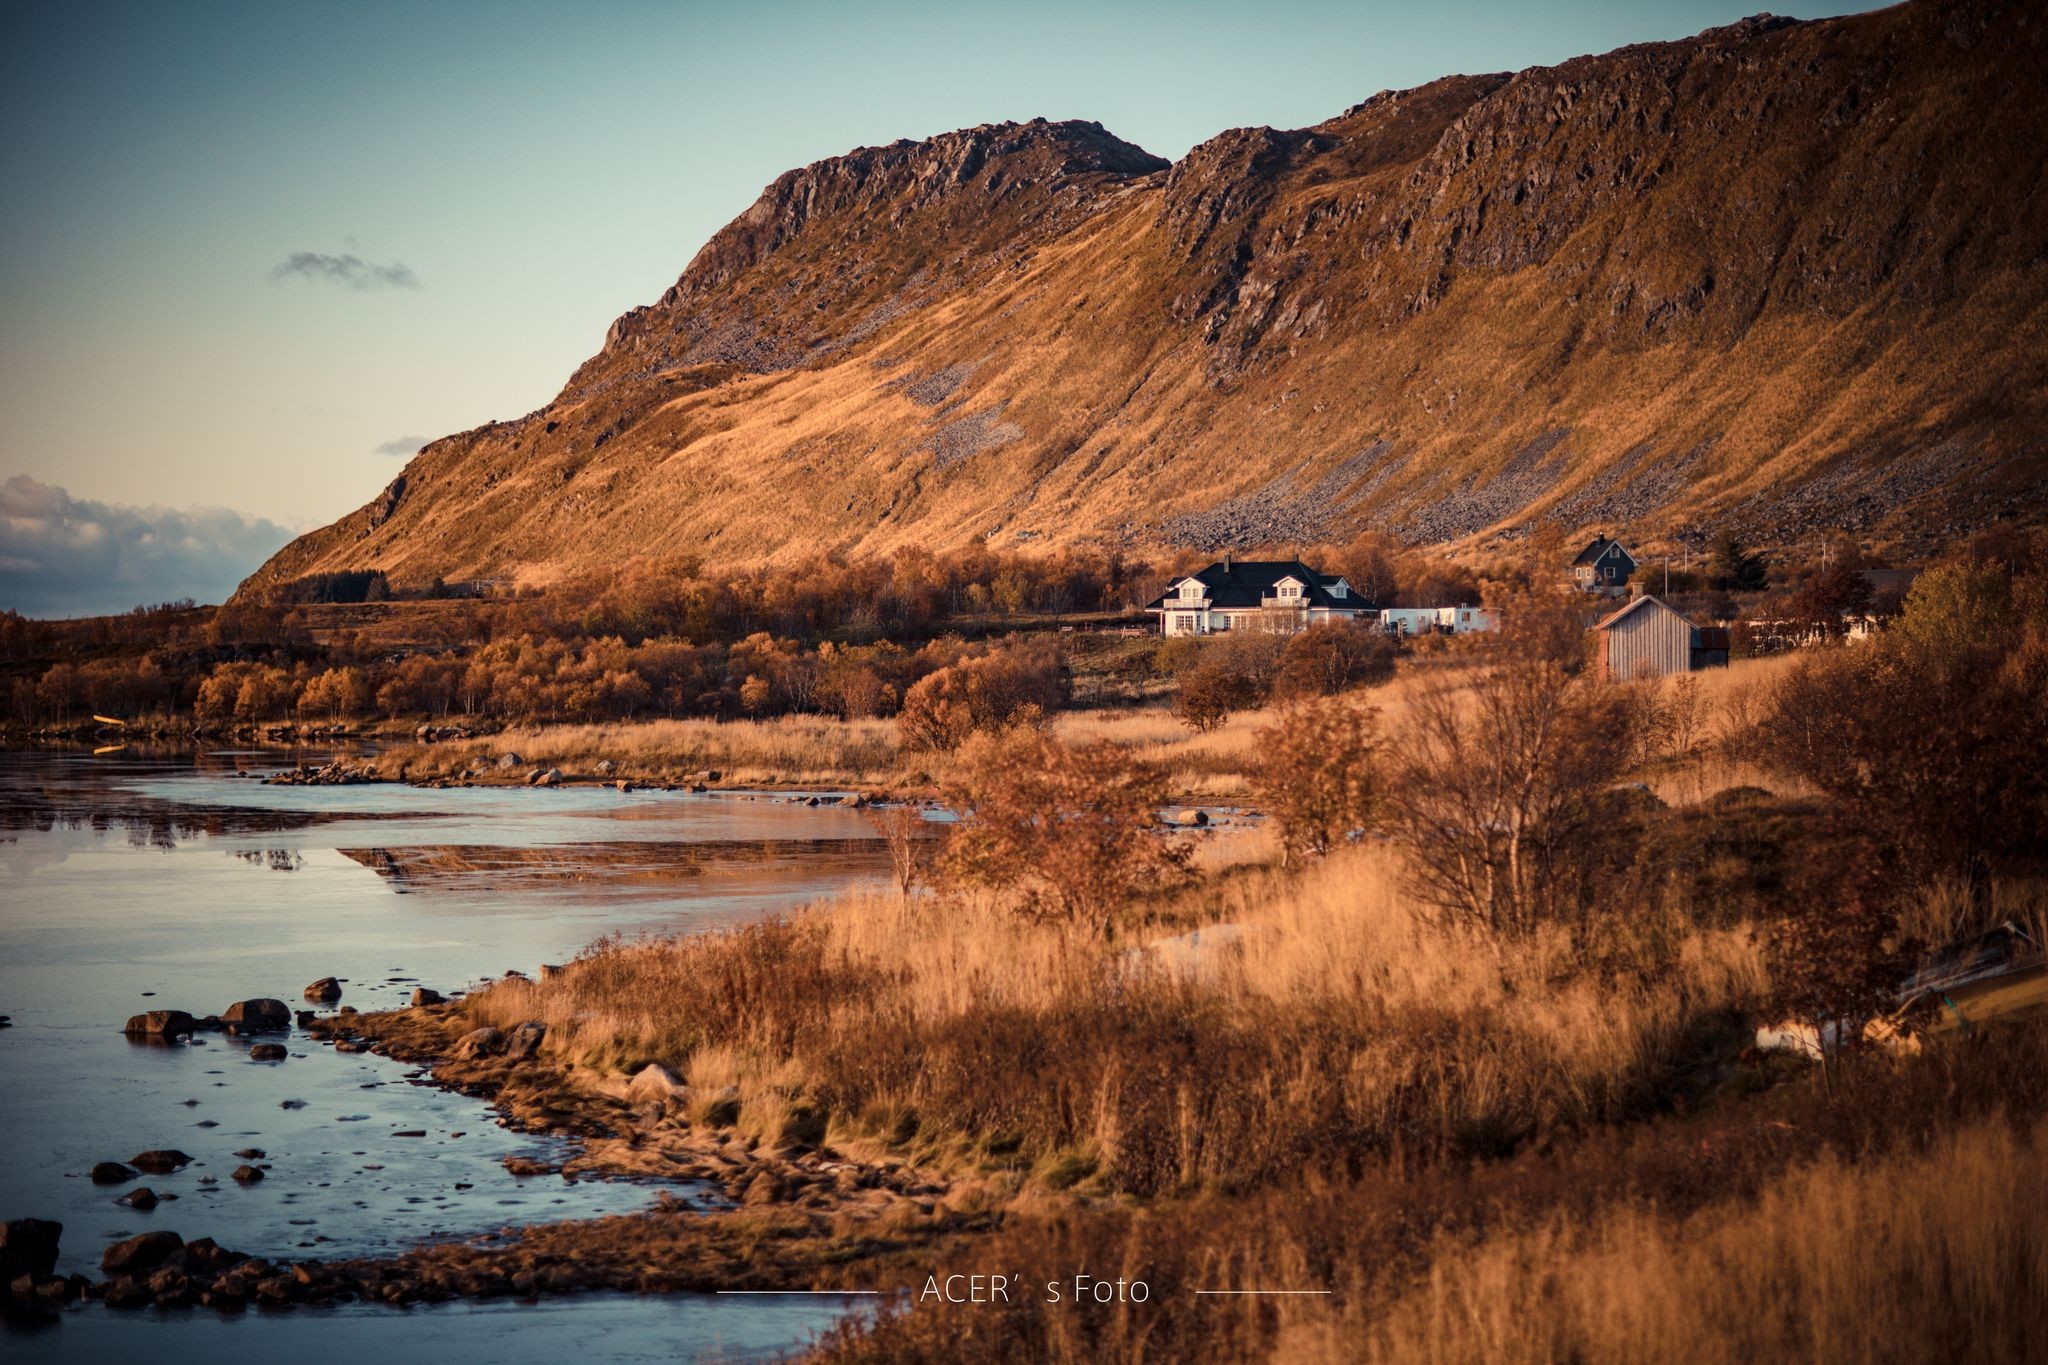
x: 815, y: 750
x: 1935, y: 1255
x: 1332, y: 1011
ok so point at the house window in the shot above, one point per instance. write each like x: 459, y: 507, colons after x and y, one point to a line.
x: 1191, y: 589
x: 1184, y: 623
x: 1288, y: 590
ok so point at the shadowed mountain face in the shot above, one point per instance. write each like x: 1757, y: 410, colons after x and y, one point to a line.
x: 1781, y: 276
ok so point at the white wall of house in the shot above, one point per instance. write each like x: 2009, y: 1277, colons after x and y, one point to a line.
x: 1464, y: 620
x: 1407, y: 620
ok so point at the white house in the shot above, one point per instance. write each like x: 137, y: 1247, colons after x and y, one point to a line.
x: 1263, y: 594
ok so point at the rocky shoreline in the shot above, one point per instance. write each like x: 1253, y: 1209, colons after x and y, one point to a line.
x: 788, y: 1213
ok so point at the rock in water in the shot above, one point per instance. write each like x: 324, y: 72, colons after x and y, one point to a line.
x: 111, y: 1173
x: 159, y: 1161
x: 161, y: 1024
x: 267, y: 1052
x: 247, y: 1175
x: 141, y: 1253
x: 28, y: 1246
x: 257, y: 1016
x: 142, y: 1198
x: 326, y: 990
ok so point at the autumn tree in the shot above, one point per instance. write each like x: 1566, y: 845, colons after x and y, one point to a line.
x: 1233, y: 673
x: 1318, y: 774
x: 988, y: 692
x: 1066, y: 834
x: 1930, y: 738
x: 1497, y: 788
x: 1331, y: 658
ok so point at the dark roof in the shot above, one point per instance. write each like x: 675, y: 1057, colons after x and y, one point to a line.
x: 1599, y: 546
x: 1246, y: 583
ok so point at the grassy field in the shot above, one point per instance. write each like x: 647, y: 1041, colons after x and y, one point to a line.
x: 1514, y: 1114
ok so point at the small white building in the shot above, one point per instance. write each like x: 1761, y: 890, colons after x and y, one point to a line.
x: 1465, y: 620
x: 1259, y: 594
x: 1437, y: 620
x: 1408, y: 620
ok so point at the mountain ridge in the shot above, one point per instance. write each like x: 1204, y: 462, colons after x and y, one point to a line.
x: 1783, y: 276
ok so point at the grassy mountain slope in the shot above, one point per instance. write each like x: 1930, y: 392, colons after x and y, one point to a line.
x: 1785, y: 276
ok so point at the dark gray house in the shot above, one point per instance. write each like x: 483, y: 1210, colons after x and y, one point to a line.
x: 1603, y: 566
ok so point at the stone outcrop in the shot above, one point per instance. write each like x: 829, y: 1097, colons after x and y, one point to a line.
x: 257, y: 1016
x: 161, y: 1024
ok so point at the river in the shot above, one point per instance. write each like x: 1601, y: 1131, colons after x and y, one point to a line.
x: 131, y: 882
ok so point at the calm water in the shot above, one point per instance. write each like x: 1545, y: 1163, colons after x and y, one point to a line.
x: 129, y: 883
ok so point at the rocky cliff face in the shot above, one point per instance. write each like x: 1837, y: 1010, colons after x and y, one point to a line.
x: 1782, y: 276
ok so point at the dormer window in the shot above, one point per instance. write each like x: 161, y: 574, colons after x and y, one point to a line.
x: 1191, y: 589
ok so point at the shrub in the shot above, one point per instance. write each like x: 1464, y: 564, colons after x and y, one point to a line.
x: 1234, y: 673
x: 1066, y: 832
x: 1498, y: 794
x: 1318, y: 776
x: 1327, y: 659
x: 1012, y: 685
x: 1931, y: 738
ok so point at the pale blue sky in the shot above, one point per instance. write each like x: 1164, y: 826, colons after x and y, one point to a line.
x: 537, y: 169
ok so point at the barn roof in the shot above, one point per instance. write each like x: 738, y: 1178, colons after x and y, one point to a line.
x: 1636, y: 604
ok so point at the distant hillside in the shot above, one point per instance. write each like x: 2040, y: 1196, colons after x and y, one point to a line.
x: 1782, y: 276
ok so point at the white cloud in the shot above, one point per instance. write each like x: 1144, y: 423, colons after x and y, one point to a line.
x: 66, y: 556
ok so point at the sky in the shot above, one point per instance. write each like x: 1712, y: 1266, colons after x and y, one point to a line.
x: 253, y: 255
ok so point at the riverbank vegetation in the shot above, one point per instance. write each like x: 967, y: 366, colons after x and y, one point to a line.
x: 1463, y: 1034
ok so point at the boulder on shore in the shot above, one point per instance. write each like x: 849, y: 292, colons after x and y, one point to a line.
x: 656, y: 1082
x: 509, y: 760
x: 326, y: 990
x: 257, y: 1016
x: 425, y: 996
x: 161, y: 1024
x: 524, y: 1042
x: 141, y: 1253
x: 606, y: 767
x: 28, y: 1246
x: 1190, y: 817
x: 482, y: 1042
